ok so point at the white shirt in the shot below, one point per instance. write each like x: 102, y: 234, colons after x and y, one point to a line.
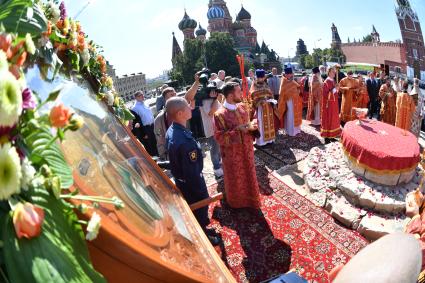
x: 219, y: 83
x: 227, y: 105
x: 144, y: 113
x: 207, y: 120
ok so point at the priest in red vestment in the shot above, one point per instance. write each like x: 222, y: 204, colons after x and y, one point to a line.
x: 405, y: 108
x: 315, y: 97
x: 233, y: 132
x: 262, y: 104
x: 330, y: 123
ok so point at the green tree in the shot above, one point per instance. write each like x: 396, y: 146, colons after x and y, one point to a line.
x: 188, y: 63
x: 367, y: 38
x: 218, y: 51
x: 321, y: 56
x: 221, y: 54
x: 308, y: 62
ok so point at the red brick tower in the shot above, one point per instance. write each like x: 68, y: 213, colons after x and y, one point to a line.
x: 413, y: 39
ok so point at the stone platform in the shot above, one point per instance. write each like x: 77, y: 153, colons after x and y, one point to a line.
x: 370, y: 208
x: 380, y: 152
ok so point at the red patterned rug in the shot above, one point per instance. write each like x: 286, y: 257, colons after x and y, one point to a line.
x: 289, y: 150
x: 289, y: 232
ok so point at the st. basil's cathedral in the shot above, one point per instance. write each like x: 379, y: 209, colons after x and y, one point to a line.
x: 241, y: 30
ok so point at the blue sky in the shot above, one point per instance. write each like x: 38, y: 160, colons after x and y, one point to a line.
x: 136, y: 34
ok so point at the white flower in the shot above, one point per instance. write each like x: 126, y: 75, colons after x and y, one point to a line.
x: 85, y: 56
x: 3, y: 62
x: 93, y: 227
x: 55, y: 12
x: 10, y: 100
x: 10, y: 171
x: 28, y: 173
x: 29, y: 44
x: 73, y: 37
x: 110, y: 98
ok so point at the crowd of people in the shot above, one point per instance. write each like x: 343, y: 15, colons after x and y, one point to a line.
x: 216, y: 111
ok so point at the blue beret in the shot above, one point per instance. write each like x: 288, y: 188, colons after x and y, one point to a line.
x: 260, y: 73
x: 288, y: 70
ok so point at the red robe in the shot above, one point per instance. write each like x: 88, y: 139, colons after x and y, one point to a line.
x: 405, y: 108
x: 237, y: 152
x: 304, y: 94
x: 330, y: 123
x: 416, y: 227
x: 315, y: 96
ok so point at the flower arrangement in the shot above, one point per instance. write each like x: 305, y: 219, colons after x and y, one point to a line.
x: 38, y: 222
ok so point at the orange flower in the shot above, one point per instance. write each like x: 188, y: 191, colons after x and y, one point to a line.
x: 59, y: 24
x: 60, y: 46
x: 16, y: 49
x: 28, y: 219
x: 21, y: 59
x: 49, y: 29
x: 6, y: 43
x: 59, y: 116
x: 15, y: 70
x: 81, y: 42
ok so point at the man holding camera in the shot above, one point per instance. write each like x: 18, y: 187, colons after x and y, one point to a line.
x: 206, y: 99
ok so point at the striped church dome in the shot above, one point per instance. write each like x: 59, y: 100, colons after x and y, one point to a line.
x: 187, y: 22
x: 244, y: 14
x: 200, y: 31
x: 215, y: 12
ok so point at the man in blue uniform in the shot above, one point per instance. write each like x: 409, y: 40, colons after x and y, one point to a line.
x: 186, y: 161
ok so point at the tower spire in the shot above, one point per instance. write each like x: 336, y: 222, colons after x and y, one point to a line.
x: 336, y: 40
x: 176, y: 50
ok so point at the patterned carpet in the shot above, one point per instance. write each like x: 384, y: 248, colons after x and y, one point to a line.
x: 289, y: 150
x: 288, y: 233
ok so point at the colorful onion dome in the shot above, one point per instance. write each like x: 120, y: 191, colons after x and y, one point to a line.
x: 200, y: 31
x: 215, y: 12
x: 187, y: 22
x: 243, y: 14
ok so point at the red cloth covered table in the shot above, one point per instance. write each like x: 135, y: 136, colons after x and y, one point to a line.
x: 380, y: 147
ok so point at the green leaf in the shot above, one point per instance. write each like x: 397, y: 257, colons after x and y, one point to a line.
x: 59, y: 254
x: 75, y: 60
x: 13, y: 15
x: 128, y: 115
x: 53, y: 95
x: 61, y: 134
x: 37, y: 141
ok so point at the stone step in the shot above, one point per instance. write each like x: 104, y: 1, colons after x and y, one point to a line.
x: 374, y: 226
x: 368, y: 223
x: 327, y: 169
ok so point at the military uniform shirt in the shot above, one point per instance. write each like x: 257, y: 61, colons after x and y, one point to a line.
x: 186, y: 160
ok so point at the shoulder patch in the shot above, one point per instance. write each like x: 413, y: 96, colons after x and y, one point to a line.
x: 193, y: 155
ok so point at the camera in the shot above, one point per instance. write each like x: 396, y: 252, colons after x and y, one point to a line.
x: 210, y: 87
x: 204, y: 76
x: 269, y: 76
x: 204, y: 92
